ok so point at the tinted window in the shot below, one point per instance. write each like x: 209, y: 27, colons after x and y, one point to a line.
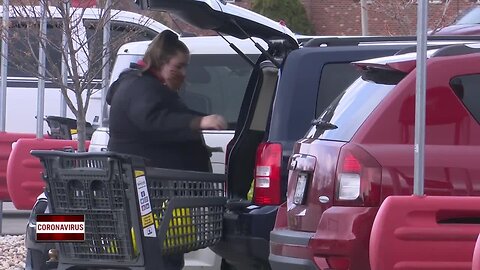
x: 335, y: 78
x: 470, y: 17
x: 216, y: 84
x: 468, y: 91
x: 350, y: 109
x: 23, y: 49
x: 121, y: 33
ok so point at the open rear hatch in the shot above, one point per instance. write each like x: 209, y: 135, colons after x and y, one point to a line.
x: 222, y: 17
x: 232, y: 20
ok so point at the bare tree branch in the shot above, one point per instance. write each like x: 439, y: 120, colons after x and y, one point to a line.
x: 84, y: 51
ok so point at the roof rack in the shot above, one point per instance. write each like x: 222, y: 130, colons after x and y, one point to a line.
x: 352, y: 40
x: 458, y: 49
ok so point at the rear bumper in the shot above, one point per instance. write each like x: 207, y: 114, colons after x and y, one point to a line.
x: 246, y: 237
x: 288, y: 263
x: 343, y: 234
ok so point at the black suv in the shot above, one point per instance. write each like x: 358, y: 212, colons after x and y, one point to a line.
x: 288, y: 88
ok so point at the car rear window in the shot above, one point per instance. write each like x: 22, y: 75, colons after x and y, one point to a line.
x: 466, y: 89
x: 336, y: 77
x: 349, y: 110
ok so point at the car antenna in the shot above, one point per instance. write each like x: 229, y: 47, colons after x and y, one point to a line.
x: 264, y: 52
x: 236, y: 49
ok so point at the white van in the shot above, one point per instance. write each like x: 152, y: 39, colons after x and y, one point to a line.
x: 22, y: 86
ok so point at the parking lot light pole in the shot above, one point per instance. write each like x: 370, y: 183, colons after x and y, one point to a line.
x: 420, y: 98
x: 4, y: 63
x: 105, y: 61
x: 3, y: 82
x: 63, y: 103
x: 41, y: 67
x: 364, y: 16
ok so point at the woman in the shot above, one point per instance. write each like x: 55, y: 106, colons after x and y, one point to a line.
x: 148, y: 118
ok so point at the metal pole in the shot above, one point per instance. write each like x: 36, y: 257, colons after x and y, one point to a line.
x: 105, y: 61
x: 420, y: 97
x: 41, y: 67
x: 3, y: 82
x: 4, y: 66
x: 63, y: 103
x: 364, y: 15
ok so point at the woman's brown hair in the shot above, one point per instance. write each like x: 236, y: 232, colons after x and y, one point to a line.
x: 162, y: 48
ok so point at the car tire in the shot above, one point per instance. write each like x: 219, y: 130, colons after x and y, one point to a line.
x: 227, y: 266
x: 35, y: 260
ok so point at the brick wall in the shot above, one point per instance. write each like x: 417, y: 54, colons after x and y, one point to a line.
x: 385, y: 17
x: 341, y: 17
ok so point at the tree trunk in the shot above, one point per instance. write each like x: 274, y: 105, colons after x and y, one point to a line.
x: 81, y: 132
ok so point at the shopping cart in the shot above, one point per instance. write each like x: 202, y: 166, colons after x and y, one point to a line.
x: 114, y: 191
x: 66, y: 128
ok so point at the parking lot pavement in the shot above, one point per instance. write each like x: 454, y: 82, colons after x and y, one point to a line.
x: 13, y: 221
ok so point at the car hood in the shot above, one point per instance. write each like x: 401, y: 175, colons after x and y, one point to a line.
x: 459, y: 29
x: 226, y: 18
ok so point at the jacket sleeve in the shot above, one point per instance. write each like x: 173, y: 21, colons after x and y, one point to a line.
x: 154, y: 112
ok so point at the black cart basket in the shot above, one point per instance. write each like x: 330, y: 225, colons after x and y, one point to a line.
x: 134, y: 215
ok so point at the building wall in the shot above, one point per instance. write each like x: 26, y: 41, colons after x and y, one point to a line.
x: 336, y: 17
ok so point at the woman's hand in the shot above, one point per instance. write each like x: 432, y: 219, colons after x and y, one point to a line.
x: 213, y: 121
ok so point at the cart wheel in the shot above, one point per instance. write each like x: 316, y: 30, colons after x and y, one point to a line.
x: 35, y: 260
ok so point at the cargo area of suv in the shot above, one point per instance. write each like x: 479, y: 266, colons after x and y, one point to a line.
x: 359, y: 151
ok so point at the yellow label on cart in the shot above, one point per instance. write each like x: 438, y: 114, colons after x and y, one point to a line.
x: 144, y: 205
x: 139, y: 173
x: 147, y: 220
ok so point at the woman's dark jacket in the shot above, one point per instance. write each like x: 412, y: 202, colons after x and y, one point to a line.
x: 149, y: 120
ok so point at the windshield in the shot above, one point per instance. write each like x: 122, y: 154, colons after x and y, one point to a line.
x: 470, y: 17
x: 349, y: 110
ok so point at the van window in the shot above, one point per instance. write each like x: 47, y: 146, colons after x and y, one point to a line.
x: 121, y: 33
x: 335, y: 78
x: 23, y: 48
x: 349, y: 110
x: 466, y: 89
x: 216, y: 84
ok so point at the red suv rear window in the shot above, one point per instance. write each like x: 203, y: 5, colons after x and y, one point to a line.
x: 349, y: 110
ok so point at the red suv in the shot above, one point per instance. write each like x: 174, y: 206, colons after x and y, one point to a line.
x: 360, y: 151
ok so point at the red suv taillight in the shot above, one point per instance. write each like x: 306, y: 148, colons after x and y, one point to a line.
x: 267, y: 174
x: 358, y: 178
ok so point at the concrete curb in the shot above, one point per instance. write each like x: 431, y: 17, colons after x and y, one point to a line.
x: 15, y: 213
